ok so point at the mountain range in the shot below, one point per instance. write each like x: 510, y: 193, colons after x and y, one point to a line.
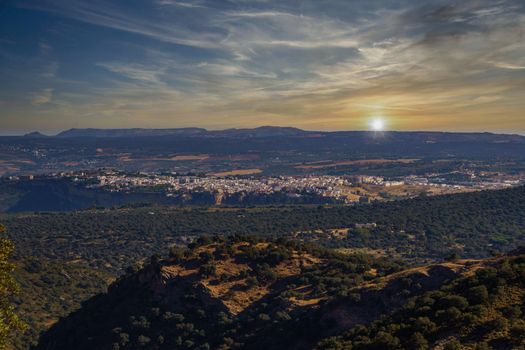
x: 276, y: 131
x: 263, y: 131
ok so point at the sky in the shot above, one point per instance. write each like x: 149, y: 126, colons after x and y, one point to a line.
x: 316, y: 65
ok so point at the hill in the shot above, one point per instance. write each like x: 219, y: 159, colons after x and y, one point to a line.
x: 131, y: 132
x: 35, y: 134
x: 247, y: 293
x: 481, y: 308
x: 215, y: 294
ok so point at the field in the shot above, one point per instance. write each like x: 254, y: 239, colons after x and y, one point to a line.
x: 357, y: 162
x: 238, y: 172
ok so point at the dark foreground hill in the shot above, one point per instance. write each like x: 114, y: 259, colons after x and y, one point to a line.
x: 247, y: 293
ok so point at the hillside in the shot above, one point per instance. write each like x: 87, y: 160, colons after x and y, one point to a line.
x: 482, y: 308
x: 249, y: 293
x: 216, y: 293
x: 50, y: 289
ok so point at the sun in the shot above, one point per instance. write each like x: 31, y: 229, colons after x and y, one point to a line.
x: 377, y: 124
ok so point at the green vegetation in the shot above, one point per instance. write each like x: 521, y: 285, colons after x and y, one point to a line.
x: 271, y: 270
x: 49, y: 290
x: 179, y: 302
x: 420, y: 230
x: 482, y: 311
x: 9, y: 321
x: 264, y: 294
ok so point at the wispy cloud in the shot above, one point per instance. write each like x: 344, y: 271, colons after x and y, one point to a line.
x: 104, y: 14
x: 184, y: 4
x: 207, y: 61
x: 42, y: 97
x: 133, y: 71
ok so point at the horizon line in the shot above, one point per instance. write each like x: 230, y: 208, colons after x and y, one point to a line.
x: 54, y: 133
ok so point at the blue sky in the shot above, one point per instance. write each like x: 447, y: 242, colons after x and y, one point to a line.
x: 328, y: 65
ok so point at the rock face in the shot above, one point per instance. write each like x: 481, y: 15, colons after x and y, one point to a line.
x: 45, y: 194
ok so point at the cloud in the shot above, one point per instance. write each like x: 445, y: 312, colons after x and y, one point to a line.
x: 206, y: 61
x: 134, y: 71
x: 42, y: 97
x: 107, y: 15
x: 506, y: 65
x: 487, y: 99
x: 183, y: 4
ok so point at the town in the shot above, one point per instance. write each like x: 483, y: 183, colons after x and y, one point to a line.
x: 348, y: 189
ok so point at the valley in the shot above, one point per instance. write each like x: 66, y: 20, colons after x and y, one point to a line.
x: 241, y: 259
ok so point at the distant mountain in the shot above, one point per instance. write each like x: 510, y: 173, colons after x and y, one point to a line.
x: 263, y: 131
x: 35, y: 134
x: 364, y: 137
x: 130, y: 132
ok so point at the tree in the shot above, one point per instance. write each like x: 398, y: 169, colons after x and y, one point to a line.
x: 385, y: 341
x: 453, y: 344
x: 143, y: 340
x: 9, y: 321
x: 483, y: 346
x: 176, y: 253
x: 478, y: 295
x: 208, y: 270
x: 517, y: 331
x: 418, y: 342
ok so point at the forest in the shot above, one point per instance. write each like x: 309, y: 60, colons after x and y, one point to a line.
x: 66, y: 261
x: 420, y: 230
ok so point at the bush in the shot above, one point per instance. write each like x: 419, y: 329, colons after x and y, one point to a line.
x: 208, y: 270
x: 452, y: 301
x: 418, y: 342
x: 453, y: 344
x: 482, y: 346
x: 517, y: 331
x: 143, y: 340
x: 478, y: 295
x: 385, y: 341
x: 177, y: 253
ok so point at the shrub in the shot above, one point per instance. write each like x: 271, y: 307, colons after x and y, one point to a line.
x: 208, y: 270
x: 453, y: 344
x: 478, y: 295
x: 418, y: 342
x: 143, y: 340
